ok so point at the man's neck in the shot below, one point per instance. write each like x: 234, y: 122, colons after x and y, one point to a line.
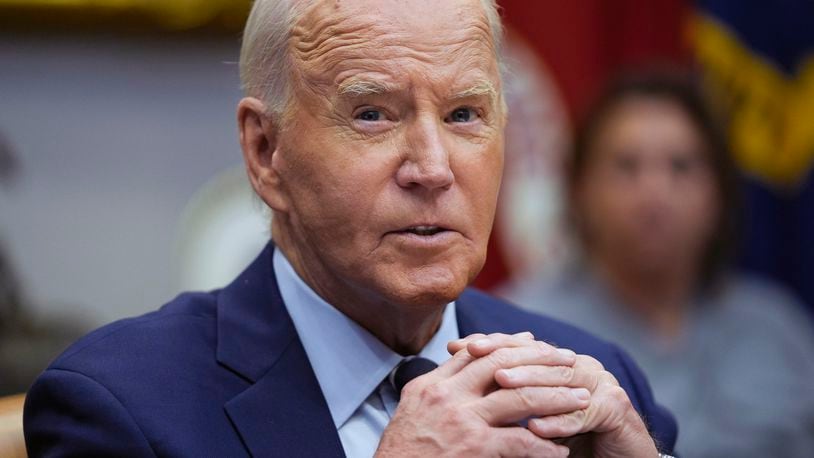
x: 405, y: 333
x: 405, y: 329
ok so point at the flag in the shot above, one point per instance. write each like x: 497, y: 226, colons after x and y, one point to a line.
x: 757, y: 58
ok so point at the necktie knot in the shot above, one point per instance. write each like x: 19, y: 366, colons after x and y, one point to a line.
x: 408, y: 369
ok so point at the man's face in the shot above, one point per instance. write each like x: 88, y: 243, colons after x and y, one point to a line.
x: 392, y: 155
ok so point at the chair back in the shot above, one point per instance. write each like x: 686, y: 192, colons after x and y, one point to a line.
x: 12, y: 442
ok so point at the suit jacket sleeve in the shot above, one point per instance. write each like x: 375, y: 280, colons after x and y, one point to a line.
x: 659, y: 421
x: 68, y: 414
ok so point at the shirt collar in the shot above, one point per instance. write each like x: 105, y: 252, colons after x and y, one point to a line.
x: 348, y: 361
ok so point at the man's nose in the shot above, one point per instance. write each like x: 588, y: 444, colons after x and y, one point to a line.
x: 427, y: 159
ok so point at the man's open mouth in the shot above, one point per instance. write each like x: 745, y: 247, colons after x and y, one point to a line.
x: 424, y: 230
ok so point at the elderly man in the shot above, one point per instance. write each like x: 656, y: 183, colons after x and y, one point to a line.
x: 374, y: 131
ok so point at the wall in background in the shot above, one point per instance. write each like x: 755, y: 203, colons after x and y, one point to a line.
x: 114, y: 134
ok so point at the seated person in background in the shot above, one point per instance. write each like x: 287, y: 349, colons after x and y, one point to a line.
x: 652, y: 195
x: 374, y: 131
x: 26, y: 345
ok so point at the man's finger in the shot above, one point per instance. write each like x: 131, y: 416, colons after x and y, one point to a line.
x: 609, y: 405
x: 453, y: 365
x: 506, y: 406
x: 520, y: 442
x: 479, y: 375
x: 455, y: 346
x: 589, y: 373
x: 588, y: 363
x: 541, y: 376
x: 461, y: 357
x: 496, y: 340
x: 482, y: 347
x: 559, y: 426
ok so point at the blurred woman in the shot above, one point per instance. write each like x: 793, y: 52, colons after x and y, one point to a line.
x: 653, y: 197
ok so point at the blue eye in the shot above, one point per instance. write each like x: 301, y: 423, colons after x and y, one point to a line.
x: 370, y: 115
x: 462, y: 115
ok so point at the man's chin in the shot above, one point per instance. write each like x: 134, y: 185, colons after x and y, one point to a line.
x: 428, y: 299
x: 427, y: 287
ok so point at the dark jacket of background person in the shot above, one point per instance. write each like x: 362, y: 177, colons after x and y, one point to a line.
x: 733, y: 358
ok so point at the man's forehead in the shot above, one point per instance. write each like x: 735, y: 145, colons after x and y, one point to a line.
x: 449, y: 14
x: 336, y: 36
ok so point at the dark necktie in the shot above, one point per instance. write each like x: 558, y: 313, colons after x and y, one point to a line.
x: 408, y: 369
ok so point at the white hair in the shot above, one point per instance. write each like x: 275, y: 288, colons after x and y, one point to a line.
x: 265, y: 61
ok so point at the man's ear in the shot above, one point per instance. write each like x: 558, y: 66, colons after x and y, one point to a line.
x: 258, y: 140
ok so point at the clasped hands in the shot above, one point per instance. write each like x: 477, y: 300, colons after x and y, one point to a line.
x: 475, y: 405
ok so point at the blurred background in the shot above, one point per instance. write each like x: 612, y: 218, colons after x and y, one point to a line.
x: 120, y: 173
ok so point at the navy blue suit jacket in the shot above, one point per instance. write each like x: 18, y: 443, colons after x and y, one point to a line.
x: 224, y: 374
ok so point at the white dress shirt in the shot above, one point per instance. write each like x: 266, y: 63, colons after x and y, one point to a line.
x: 351, y: 365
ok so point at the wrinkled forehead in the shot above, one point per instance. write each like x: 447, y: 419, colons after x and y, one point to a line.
x: 333, y: 37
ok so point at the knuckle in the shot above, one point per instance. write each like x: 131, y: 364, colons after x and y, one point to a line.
x: 590, y: 363
x: 577, y: 419
x: 435, y: 394
x: 618, y: 396
x: 565, y: 425
x: 456, y: 419
x: 562, y: 396
x: 545, y: 350
x: 469, y: 447
x: 565, y: 373
x: 608, y: 378
x: 580, y: 415
x: 582, y: 361
x: 557, y: 425
x: 411, y: 389
x: 501, y: 339
x: 463, y: 355
x: 569, y: 423
x: 527, y: 397
x: 524, y: 335
x: 416, y: 385
x: 524, y: 441
x: 502, y: 357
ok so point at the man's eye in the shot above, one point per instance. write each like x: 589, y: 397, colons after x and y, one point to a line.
x: 462, y: 115
x: 370, y: 115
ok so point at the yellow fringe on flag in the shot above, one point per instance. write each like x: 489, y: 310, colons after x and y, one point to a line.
x: 771, y: 128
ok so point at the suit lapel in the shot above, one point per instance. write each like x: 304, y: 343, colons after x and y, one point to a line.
x: 283, y: 412
x: 476, y: 314
x: 469, y: 320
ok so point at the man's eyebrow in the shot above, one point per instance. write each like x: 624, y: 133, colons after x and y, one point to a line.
x: 480, y: 88
x: 357, y: 87
x: 361, y: 87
